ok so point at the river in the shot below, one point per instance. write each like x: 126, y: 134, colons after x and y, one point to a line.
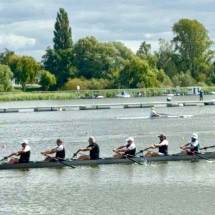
x: 153, y: 188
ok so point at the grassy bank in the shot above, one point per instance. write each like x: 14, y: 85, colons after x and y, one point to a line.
x: 66, y: 95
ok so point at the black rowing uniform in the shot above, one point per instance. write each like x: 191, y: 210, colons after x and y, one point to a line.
x: 25, y: 157
x: 94, y: 152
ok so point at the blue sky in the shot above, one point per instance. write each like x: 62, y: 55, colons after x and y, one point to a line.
x: 26, y: 26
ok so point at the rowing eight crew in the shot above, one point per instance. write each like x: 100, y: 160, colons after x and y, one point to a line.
x: 122, y: 151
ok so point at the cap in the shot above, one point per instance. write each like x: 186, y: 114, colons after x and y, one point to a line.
x: 92, y: 138
x: 130, y: 139
x: 162, y: 135
x: 195, y: 136
x: 24, y: 141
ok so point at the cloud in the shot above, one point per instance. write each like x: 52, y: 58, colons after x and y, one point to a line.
x: 32, y: 22
x: 16, y: 42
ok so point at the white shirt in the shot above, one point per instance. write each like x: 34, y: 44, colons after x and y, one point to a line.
x: 153, y: 113
x: 59, y: 148
x: 131, y: 147
x: 194, y: 143
x: 164, y: 142
x: 27, y: 148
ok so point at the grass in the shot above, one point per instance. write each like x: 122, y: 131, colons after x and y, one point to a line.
x: 66, y: 95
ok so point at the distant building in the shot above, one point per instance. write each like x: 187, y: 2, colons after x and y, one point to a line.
x: 193, y: 90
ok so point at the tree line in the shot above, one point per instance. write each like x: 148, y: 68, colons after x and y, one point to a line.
x: 187, y: 59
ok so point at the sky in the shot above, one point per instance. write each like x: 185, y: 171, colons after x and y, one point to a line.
x: 26, y: 26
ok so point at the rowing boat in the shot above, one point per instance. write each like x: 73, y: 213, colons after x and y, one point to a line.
x: 75, y: 162
x: 157, y: 117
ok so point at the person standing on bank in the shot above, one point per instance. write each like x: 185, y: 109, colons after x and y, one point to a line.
x: 59, y: 152
x: 24, y: 154
x: 125, y: 150
x: 201, y: 95
x: 93, y: 147
x: 162, y: 147
x: 192, y: 146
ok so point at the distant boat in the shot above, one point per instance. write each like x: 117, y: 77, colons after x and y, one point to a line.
x: 123, y: 94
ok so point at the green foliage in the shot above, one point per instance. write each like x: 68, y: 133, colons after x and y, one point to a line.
x: 26, y: 71
x: 183, y: 79
x: 99, y: 60
x: 5, y: 78
x: 88, y: 84
x: 192, y: 44
x: 46, y: 79
x: 62, y: 33
x: 167, y: 60
x: 137, y: 72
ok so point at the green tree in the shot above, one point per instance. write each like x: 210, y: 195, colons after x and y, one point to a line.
x: 192, y: 44
x: 59, y: 60
x: 166, y: 58
x: 11, y: 59
x: 94, y: 59
x: 47, y: 79
x: 26, y: 71
x: 5, y: 78
x: 137, y: 73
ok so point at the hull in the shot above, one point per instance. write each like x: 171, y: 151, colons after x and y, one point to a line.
x: 156, y: 117
x: 141, y: 159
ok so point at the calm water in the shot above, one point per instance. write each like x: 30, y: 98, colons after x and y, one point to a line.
x: 154, y: 188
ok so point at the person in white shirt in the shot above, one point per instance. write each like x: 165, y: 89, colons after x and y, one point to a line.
x: 126, y: 149
x: 162, y: 147
x: 192, y: 146
x: 24, y: 154
x: 59, y: 152
x: 153, y: 113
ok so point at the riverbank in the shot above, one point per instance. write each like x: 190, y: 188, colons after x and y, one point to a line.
x: 89, y: 94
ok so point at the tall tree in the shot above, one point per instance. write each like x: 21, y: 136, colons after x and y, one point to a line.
x: 192, y: 44
x: 59, y: 59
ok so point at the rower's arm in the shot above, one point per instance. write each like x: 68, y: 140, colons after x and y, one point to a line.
x: 119, y: 149
x: 52, y: 151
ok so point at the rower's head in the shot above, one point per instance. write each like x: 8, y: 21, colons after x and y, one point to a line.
x: 162, y: 136
x: 59, y: 142
x: 152, y: 108
x: 130, y: 140
x: 194, y: 136
x: 91, y: 140
x: 24, y: 143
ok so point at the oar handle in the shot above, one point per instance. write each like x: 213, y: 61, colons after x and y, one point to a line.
x: 207, y: 147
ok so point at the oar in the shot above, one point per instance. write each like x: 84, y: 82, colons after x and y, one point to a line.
x: 141, y: 151
x: 4, y: 158
x: 207, y: 147
x: 127, y: 157
x: 208, y: 160
x: 60, y: 161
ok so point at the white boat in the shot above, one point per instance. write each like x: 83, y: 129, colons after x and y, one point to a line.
x: 156, y: 117
x: 123, y: 94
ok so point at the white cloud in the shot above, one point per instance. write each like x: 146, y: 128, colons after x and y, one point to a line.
x: 16, y: 42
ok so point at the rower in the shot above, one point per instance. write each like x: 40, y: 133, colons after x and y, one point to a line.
x: 162, y: 147
x: 93, y: 147
x: 192, y: 146
x: 153, y: 113
x: 59, y: 150
x: 24, y: 154
x: 125, y: 150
